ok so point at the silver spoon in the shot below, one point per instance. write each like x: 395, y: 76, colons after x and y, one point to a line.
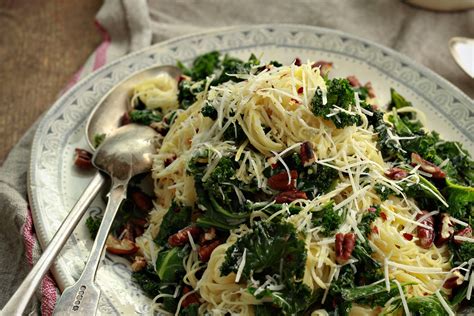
x: 462, y: 50
x: 105, y: 118
x: 123, y: 155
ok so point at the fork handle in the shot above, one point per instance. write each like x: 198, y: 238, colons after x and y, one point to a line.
x: 82, y: 298
x: 18, y: 302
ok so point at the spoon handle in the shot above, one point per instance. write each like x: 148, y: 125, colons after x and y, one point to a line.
x: 17, y: 303
x: 82, y: 298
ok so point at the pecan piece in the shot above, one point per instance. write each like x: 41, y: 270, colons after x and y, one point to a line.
x: 353, y: 81
x: 324, y: 66
x: 190, y: 299
x: 427, y: 166
x: 280, y: 181
x: 83, y: 159
x: 205, y: 251
x: 345, y: 244
x: 120, y: 247
x: 425, y: 236
x: 139, y: 263
x: 465, y: 232
x: 307, y: 154
x: 290, y: 196
x: 445, y: 230
x: 141, y: 200
x: 181, y: 237
x: 297, y: 61
x: 396, y: 173
x: 455, y: 280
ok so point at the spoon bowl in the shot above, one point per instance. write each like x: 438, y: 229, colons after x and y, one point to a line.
x: 107, y: 115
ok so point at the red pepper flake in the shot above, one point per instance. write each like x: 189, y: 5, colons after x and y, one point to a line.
x: 297, y: 62
x: 300, y: 90
x: 383, y: 215
x: 375, y: 230
x: 408, y: 236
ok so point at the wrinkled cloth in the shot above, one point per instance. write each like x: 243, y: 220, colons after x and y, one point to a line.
x: 130, y: 25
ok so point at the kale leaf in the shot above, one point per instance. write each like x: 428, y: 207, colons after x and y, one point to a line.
x: 176, y: 218
x: 93, y: 224
x: 317, y: 179
x: 372, y: 295
x: 397, y: 100
x: 266, y: 246
x: 426, y: 306
x: 148, y: 281
x: 339, y: 93
x: 209, y: 111
x: 328, y: 219
x: 169, y: 264
x: 98, y: 139
x: 188, y: 91
x: 145, y: 117
x: 460, y: 200
x: 191, y: 310
x: 203, y: 66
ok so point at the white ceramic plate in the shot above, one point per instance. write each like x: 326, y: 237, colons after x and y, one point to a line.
x: 55, y: 185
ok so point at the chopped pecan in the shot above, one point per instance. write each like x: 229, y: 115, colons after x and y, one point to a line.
x: 396, y: 173
x: 408, y: 236
x: 465, y: 232
x: 280, y: 181
x: 345, y: 244
x: 139, y: 263
x: 353, y: 81
x: 125, y: 119
x: 445, y: 230
x: 141, y: 200
x: 297, y: 61
x: 307, y: 154
x: 300, y: 90
x: 205, y: 251
x: 425, y: 235
x: 120, y: 247
x: 455, y: 280
x: 427, y: 166
x: 324, y: 66
x: 370, y: 89
x: 190, y: 299
x: 181, y: 237
x: 290, y: 196
x: 83, y: 159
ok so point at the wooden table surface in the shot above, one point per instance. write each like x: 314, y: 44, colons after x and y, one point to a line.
x: 42, y: 44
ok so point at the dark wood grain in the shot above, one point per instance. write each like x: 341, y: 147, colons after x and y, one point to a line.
x: 42, y: 44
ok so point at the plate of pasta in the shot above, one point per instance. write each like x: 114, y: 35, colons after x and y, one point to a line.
x: 298, y: 171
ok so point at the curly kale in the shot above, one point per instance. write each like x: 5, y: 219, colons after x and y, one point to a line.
x: 176, y: 218
x: 266, y: 245
x: 93, y: 224
x: 317, y: 179
x: 203, y: 66
x: 272, y: 249
x: 397, y: 100
x: 188, y: 91
x: 145, y: 117
x: 169, y: 264
x: 209, y: 111
x: 460, y: 200
x: 340, y: 94
x: 233, y: 66
x: 426, y: 306
x: 328, y: 219
x: 148, y: 281
x: 98, y: 139
x: 383, y: 191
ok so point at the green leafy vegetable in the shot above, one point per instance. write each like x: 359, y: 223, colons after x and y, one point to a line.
x: 145, y: 117
x: 397, y: 100
x: 176, y: 218
x: 93, y: 224
x: 328, y: 219
x: 317, y: 179
x: 371, y: 295
x: 148, y: 281
x: 460, y: 200
x: 340, y: 94
x: 209, y: 111
x: 203, y: 66
x: 191, y: 310
x: 266, y: 245
x: 426, y: 306
x: 169, y: 264
x: 188, y: 91
x: 98, y: 139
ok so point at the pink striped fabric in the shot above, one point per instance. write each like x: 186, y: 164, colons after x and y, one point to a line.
x: 48, y: 289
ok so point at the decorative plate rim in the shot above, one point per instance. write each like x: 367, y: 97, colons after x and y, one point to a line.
x: 40, y: 226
